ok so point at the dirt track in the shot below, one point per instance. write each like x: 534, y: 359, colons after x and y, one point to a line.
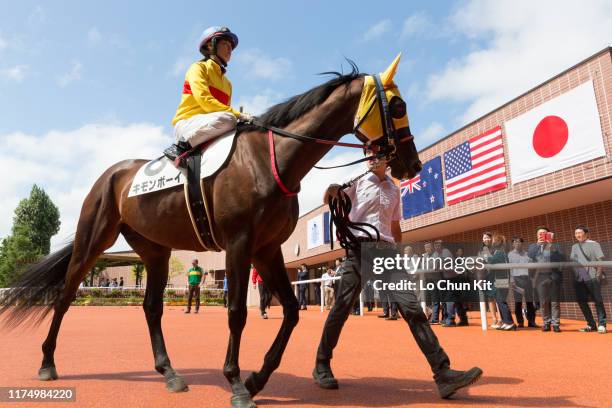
x: 105, y: 353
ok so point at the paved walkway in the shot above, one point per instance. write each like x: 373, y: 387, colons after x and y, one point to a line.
x: 105, y: 353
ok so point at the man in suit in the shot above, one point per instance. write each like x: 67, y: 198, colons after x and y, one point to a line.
x: 547, y: 279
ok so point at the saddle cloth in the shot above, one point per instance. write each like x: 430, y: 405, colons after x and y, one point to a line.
x: 160, y: 174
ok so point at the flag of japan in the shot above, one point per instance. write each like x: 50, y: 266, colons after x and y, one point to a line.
x: 557, y: 134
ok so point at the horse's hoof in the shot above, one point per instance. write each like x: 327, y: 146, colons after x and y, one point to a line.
x: 252, y: 385
x: 47, y: 374
x: 242, y: 401
x: 176, y: 384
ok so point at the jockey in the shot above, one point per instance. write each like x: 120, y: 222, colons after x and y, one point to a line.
x: 204, y: 111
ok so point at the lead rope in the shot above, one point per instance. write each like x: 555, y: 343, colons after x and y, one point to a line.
x: 339, y: 210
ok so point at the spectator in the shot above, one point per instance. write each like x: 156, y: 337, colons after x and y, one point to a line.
x: 587, y: 282
x: 114, y: 284
x: 547, y: 279
x: 461, y: 306
x: 328, y: 288
x: 121, y: 281
x: 302, y: 275
x: 501, y: 280
x: 225, y: 289
x: 317, y: 292
x: 451, y: 297
x: 432, y: 277
x: 264, y: 294
x: 194, y: 278
x: 486, y: 253
x: 521, y: 284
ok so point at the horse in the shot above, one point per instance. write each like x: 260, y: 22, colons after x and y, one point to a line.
x: 253, y: 211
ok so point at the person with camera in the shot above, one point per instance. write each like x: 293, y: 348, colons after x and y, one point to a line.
x: 548, y: 278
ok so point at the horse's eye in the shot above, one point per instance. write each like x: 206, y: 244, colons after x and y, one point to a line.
x: 397, y: 107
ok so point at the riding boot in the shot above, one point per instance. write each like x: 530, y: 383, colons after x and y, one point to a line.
x: 174, y: 151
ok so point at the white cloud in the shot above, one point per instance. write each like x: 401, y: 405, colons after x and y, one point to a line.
x: 94, y: 36
x: 180, y: 66
x: 259, y: 103
x: 37, y: 16
x: 3, y: 44
x: 431, y: 134
x: 261, y: 65
x: 16, y: 73
x: 67, y: 163
x: 377, y: 30
x: 415, y: 25
x: 526, y: 43
x: 316, y: 181
x: 73, y: 75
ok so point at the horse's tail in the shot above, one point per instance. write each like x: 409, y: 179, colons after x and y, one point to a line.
x: 35, y: 291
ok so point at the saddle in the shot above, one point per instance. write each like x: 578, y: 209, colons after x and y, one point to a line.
x: 199, y: 166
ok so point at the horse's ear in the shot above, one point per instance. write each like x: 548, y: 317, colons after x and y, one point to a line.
x: 387, y: 76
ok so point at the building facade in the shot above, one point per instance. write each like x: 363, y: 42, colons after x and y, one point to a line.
x: 560, y: 199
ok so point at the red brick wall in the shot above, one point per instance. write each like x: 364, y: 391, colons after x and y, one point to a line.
x: 599, y: 70
x: 598, y: 217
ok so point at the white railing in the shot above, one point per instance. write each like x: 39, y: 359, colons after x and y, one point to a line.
x: 322, y: 282
x: 483, y: 307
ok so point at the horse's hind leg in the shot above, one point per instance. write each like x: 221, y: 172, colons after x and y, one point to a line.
x: 97, y: 231
x: 155, y: 259
x: 270, y: 265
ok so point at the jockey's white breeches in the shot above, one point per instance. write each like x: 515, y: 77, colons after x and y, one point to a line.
x: 203, y: 127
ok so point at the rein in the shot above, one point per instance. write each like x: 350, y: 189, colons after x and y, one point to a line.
x: 339, y: 210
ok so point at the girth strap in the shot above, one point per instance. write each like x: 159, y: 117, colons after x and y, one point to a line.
x: 195, y: 203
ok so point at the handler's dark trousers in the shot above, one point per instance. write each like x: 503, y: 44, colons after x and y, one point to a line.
x: 194, y: 291
x: 408, y: 306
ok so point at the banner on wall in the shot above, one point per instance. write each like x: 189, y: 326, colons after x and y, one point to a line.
x: 560, y: 133
x: 317, y: 230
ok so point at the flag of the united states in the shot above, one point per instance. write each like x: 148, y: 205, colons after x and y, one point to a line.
x: 475, y: 167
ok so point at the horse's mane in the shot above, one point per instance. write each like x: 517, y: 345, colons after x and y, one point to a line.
x: 282, y: 114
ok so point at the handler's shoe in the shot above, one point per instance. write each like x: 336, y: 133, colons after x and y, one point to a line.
x: 324, y: 377
x: 450, y: 381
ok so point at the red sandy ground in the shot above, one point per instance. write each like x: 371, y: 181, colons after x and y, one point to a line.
x: 105, y: 353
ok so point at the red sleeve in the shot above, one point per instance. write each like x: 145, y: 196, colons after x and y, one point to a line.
x: 254, y: 276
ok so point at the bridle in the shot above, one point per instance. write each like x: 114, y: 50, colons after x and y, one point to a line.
x: 384, y: 147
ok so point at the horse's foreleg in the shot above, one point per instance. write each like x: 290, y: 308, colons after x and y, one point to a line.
x: 237, y: 268
x: 155, y: 259
x: 271, y: 266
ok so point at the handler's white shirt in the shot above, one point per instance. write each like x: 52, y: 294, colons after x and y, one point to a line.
x: 375, y: 202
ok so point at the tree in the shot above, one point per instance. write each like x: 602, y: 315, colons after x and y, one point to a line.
x: 176, y: 267
x: 36, y: 220
x: 99, y: 267
x: 139, y: 271
x: 39, y: 217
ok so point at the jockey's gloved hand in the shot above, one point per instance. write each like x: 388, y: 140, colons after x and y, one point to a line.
x: 246, y: 117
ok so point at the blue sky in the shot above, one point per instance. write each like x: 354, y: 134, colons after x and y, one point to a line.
x: 85, y: 63
x: 86, y: 84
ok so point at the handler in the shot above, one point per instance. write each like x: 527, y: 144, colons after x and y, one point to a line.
x: 376, y: 201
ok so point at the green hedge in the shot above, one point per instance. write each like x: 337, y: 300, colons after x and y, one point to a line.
x: 129, y: 297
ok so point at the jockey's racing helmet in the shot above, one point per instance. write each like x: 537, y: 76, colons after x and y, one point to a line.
x: 214, y: 34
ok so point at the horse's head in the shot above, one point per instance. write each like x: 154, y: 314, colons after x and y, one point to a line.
x: 382, y: 119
